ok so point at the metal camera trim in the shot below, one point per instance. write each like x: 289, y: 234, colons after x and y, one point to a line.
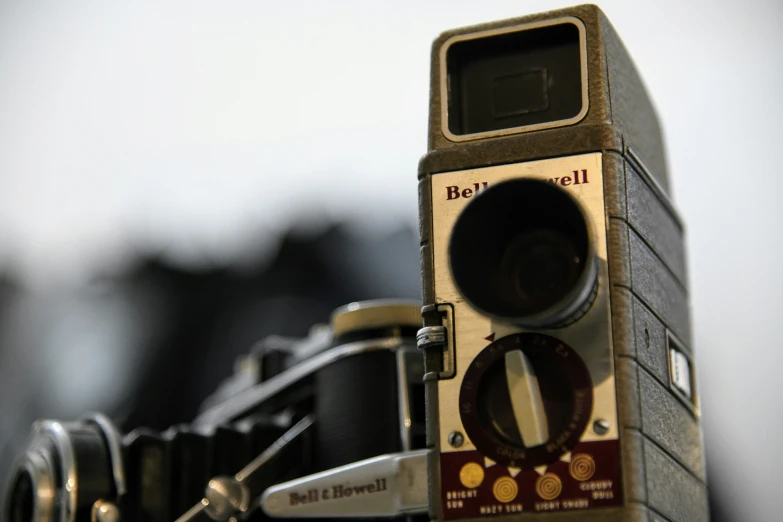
x: 249, y: 398
x: 43, y: 491
x: 557, y: 315
x: 38, y: 462
x: 113, y: 441
x: 444, y: 80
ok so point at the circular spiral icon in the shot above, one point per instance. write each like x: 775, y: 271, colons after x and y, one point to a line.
x: 505, y: 489
x: 582, y: 467
x: 548, y: 486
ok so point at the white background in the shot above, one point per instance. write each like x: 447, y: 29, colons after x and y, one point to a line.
x: 188, y: 127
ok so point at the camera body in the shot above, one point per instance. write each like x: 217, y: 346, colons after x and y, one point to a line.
x: 350, y: 390
x: 558, y: 357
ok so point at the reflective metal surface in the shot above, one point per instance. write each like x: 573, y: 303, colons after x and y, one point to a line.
x: 114, y: 443
x: 103, y: 511
x: 45, y: 485
x: 228, y: 497
x: 246, y: 400
x: 384, y: 486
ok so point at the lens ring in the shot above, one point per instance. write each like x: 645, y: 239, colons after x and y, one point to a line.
x: 50, y: 463
x: 523, y: 252
x: 21, y: 505
x: 485, y: 435
x: 113, y: 441
x: 31, y: 495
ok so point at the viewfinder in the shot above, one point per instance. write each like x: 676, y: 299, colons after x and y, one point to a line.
x: 521, y: 80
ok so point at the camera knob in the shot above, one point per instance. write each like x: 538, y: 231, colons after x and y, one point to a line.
x: 527, y: 404
x: 375, y: 318
x: 526, y: 399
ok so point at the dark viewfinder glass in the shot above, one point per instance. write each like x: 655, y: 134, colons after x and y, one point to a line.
x: 516, y: 79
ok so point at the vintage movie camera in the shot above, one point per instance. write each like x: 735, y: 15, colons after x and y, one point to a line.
x: 559, y: 363
x: 549, y: 375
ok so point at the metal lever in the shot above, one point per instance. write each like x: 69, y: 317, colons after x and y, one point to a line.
x: 384, y: 486
x: 526, y: 401
x: 227, y: 497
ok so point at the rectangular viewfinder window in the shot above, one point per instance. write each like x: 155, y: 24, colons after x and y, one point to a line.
x: 516, y: 80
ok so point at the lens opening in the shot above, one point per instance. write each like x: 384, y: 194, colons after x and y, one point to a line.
x: 21, y: 498
x: 522, y: 251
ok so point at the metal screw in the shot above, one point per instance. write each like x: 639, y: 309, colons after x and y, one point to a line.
x: 601, y: 427
x: 227, y: 497
x: 456, y: 439
x: 103, y: 511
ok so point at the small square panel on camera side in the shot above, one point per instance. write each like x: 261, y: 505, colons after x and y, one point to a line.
x: 680, y: 372
x: 514, y: 80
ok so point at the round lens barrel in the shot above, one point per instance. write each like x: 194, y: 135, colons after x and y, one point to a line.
x: 522, y: 251
x: 21, y: 498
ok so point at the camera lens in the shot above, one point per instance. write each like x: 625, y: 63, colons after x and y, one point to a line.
x: 21, y: 499
x: 31, y: 495
x: 522, y: 251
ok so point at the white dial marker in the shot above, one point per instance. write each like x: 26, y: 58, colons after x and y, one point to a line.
x: 526, y: 400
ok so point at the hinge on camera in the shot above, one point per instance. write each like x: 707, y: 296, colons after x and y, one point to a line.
x: 436, y: 340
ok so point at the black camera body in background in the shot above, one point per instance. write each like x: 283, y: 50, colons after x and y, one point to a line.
x: 535, y: 115
x: 351, y: 390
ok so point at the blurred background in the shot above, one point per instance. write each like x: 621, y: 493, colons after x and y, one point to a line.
x: 178, y: 181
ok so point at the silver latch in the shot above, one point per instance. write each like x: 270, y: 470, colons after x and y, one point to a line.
x: 440, y: 338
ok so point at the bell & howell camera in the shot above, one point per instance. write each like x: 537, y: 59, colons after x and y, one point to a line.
x: 557, y: 339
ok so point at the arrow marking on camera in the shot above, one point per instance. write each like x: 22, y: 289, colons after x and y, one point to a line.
x: 490, y: 337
